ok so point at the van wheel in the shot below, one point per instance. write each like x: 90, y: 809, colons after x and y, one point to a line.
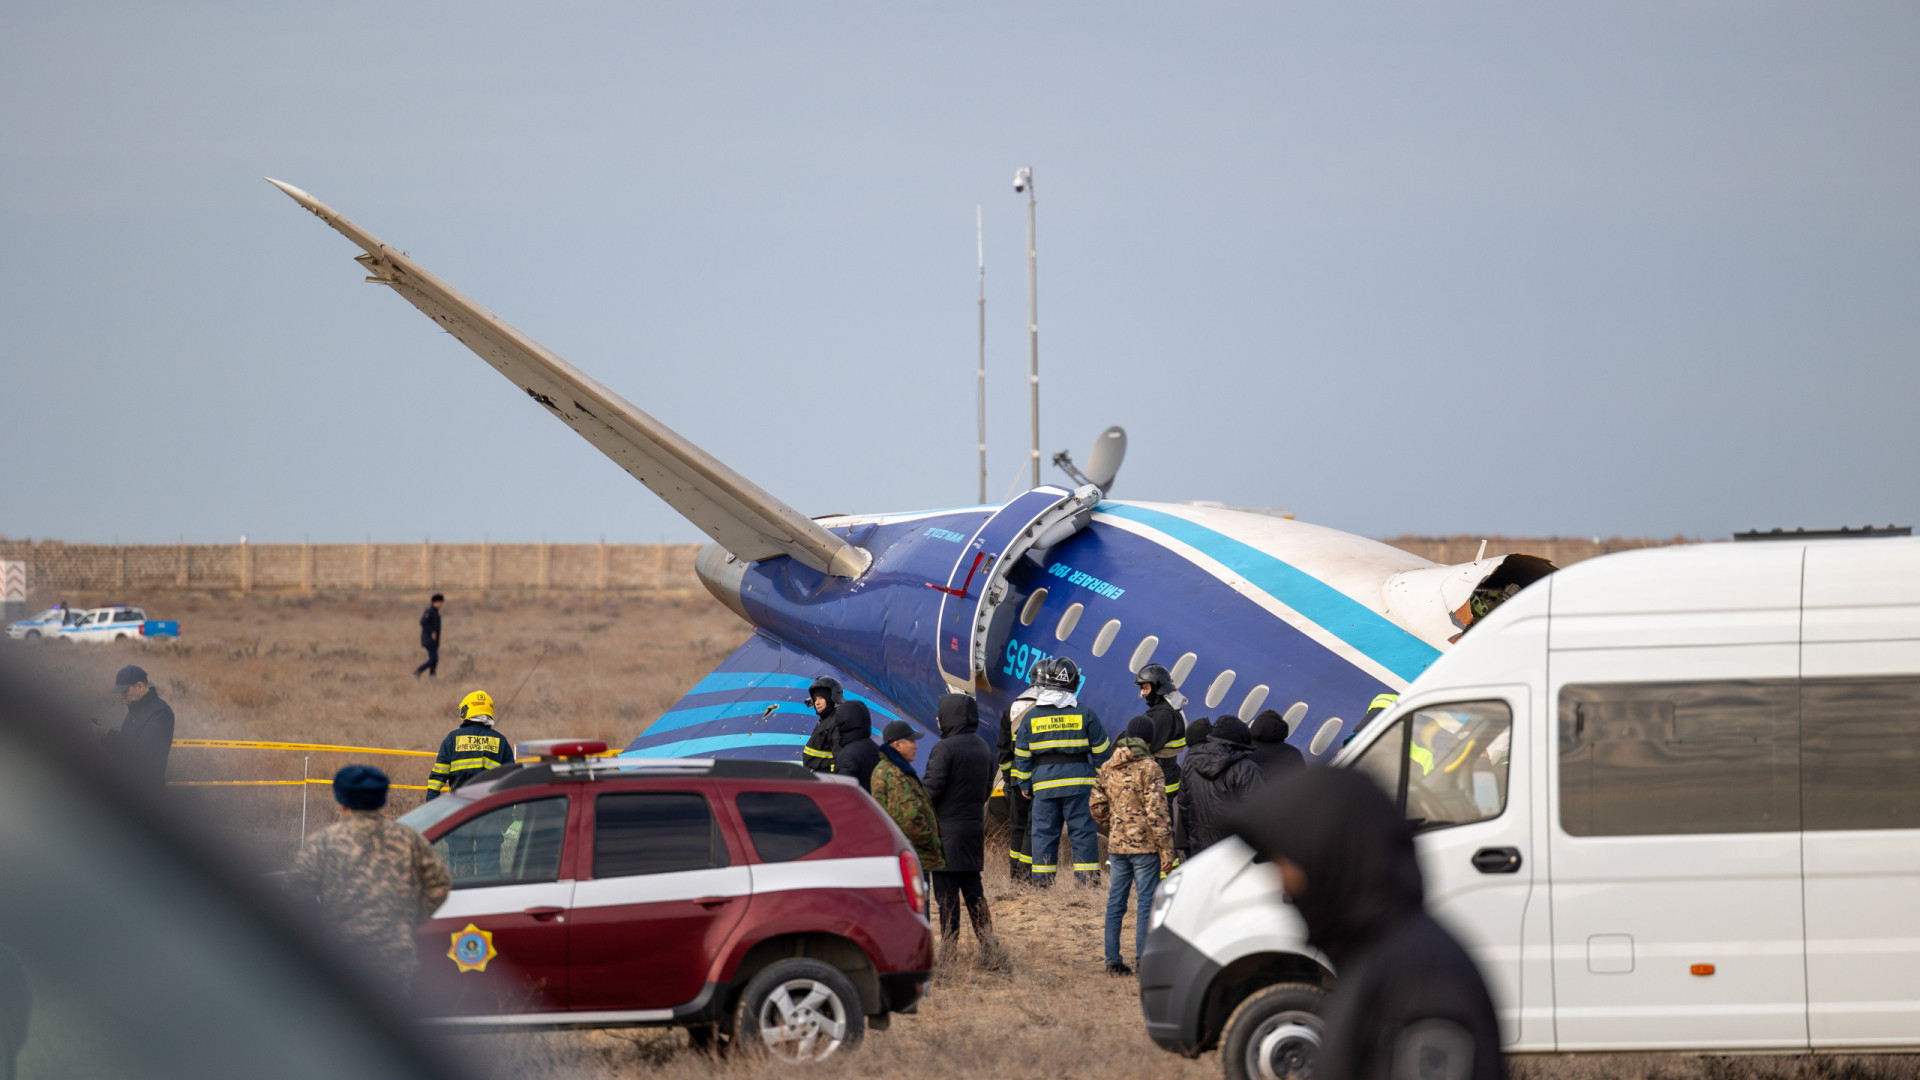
x: 798, y: 1010
x: 1275, y: 1034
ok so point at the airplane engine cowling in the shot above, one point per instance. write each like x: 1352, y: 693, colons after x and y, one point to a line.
x: 1436, y: 603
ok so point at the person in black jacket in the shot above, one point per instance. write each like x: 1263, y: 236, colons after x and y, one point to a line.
x: 824, y: 696
x: 1169, y: 726
x: 959, y: 779
x: 1197, y: 732
x: 1410, y: 1001
x: 430, y: 637
x: 1217, y: 777
x: 145, y: 737
x: 855, y: 753
x: 1271, y: 751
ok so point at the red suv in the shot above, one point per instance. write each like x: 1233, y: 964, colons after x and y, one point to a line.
x: 750, y: 900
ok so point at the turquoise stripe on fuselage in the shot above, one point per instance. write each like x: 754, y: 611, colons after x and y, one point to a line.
x: 721, y: 682
x: 1334, y: 611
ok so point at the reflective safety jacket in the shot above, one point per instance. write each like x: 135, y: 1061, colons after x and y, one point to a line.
x: 468, y: 750
x: 1057, y: 751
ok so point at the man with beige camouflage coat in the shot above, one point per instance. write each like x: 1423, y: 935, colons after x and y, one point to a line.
x: 373, y: 881
x: 1130, y: 799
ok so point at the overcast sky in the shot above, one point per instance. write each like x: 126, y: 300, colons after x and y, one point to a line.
x: 1534, y: 269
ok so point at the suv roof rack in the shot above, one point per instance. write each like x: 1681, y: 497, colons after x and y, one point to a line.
x: 1841, y: 533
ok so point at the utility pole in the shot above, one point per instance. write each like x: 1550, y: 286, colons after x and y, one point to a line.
x: 1023, y: 181
x: 980, y: 249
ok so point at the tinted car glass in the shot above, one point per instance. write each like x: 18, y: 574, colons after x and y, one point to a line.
x: 1654, y: 759
x: 1859, y: 752
x: 508, y: 845
x: 654, y: 832
x: 784, y: 825
x: 1385, y: 761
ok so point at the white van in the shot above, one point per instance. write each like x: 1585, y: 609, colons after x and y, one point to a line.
x: 1668, y: 799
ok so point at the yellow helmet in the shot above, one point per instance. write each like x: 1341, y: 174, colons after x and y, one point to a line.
x: 478, y: 703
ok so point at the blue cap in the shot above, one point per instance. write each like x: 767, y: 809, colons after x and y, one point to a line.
x: 360, y: 787
x: 129, y: 675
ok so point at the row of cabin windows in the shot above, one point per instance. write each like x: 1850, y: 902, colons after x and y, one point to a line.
x: 1217, y: 690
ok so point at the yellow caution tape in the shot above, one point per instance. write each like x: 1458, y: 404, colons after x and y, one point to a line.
x: 274, y: 783
x: 238, y: 744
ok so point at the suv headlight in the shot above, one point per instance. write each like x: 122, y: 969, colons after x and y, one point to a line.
x: 1163, y: 899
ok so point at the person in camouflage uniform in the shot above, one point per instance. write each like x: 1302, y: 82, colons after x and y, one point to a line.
x: 372, y: 881
x: 1130, y: 799
x: 900, y: 793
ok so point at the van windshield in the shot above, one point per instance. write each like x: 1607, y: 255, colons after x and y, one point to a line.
x: 1445, y: 765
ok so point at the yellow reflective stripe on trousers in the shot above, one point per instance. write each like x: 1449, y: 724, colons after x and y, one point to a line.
x: 1039, y: 869
x: 1086, y: 867
x: 1017, y: 857
x: 1071, y: 781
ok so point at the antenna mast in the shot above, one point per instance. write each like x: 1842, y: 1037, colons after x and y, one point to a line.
x: 980, y: 249
x: 1023, y: 181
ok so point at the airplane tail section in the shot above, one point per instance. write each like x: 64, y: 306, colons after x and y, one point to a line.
x: 754, y: 706
x: 735, y: 511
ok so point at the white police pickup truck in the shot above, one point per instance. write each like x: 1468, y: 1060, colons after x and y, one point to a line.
x: 117, y: 623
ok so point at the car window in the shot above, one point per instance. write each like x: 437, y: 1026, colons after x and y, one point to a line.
x: 783, y: 825
x: 654, y: 832
x: 126, y: 616
x: 1445, y: 764
x: 512, y: 844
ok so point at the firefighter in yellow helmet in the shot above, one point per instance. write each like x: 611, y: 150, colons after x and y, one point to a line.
x: 470, y: 749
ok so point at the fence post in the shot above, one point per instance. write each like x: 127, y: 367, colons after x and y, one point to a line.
x: 601, y: 577
x: 543, y: 564
x: 306, y: 566
x: 246, y: 567
x: 426, y: 564
x: 186, y: 574
x: 660, y: 566
x: 366, y: 566
x: 305, y: 763
x: 486, y: 566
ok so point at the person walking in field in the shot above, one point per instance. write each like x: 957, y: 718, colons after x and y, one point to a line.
x: 372, y: 881
x: 1129, y: 797
x: 430, y: 637
x: 901, y: 794
x: 470, y: 749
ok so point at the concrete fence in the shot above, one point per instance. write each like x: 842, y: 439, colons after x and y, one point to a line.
x: 94, y: 569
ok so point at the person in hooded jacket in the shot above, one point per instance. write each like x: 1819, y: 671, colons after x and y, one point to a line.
x: 1217, y: 777
x: 855, y: 753
x: 1271, y: 751
x: 959, y: 780
x: 1197, y: 732
x: 1410, y: 1001
x: 824, y: 696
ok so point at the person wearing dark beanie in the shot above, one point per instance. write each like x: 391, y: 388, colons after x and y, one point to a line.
x: 371, y: 881
x: 1410, y: 1001
x: 1217, y: 775
x: 1271, y: 751
x: 1197, y: 731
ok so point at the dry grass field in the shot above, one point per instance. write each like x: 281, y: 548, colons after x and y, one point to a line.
x: 338, y: 670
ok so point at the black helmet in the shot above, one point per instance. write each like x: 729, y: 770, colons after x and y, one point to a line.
x: 1056, y: 672
x: 1156, y: 676
x: 826, y: 686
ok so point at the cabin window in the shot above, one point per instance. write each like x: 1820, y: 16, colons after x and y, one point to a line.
x: 1143, y: 652
x: 1250, y: 705
x: 1032, y: 610
x: 1325, y: 736
x: 1104, y: 641
x: 1217, y: 690
x: 1068, y: 620
x: 1183, y: 667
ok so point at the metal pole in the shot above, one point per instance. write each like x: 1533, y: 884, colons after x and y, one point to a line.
x: 980, y: 246
x: 305, y: 762
x: 1033, y: 334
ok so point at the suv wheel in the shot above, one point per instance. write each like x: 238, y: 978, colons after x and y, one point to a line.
x: 1275, y: 1034
x: 798, y: 1010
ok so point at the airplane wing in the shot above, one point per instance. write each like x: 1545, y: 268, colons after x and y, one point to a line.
x: 727, y: 506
